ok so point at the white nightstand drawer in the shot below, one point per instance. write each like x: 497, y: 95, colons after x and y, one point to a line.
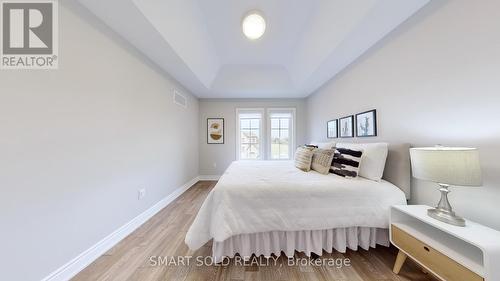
x: 434, y: 260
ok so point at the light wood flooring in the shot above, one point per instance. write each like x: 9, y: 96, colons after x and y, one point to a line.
x: 163, y: 235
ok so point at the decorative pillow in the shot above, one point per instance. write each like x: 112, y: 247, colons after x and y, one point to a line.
x: 346, y: 162
x: 322, y: 160
x: 303, y: 158
x: 324, y: 145
x: 374, y: 157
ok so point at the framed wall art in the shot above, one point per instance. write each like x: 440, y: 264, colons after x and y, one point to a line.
x: 346, y: 127
x: 332, y: 129
x: 366, y: 124
x: 215, y: 130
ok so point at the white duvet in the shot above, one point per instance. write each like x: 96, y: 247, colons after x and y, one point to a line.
x: 261, y: 196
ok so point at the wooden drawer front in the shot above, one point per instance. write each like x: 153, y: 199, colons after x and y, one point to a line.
x: 442, y: 265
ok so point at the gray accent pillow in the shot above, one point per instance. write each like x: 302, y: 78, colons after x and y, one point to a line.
x: 322, y: 160
x: 303, y: 158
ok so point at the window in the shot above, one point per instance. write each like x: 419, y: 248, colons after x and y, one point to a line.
x: 259, y: 140
x: 249, y: 134
x: 281, y: 133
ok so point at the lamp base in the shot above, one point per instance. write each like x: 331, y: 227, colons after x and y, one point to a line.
x: 446, y: 217
x: 443, y: 212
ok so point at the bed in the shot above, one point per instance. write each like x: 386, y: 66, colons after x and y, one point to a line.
x: 269, y: 207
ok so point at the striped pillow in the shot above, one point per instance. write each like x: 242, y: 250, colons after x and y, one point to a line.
x: 303, y: 158
x: 346, y: 162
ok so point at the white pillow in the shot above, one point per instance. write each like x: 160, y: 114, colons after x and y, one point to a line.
x: 374, y: 157
x: 324, y: 145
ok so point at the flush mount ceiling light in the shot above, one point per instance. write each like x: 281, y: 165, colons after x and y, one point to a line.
x: 254, y: 25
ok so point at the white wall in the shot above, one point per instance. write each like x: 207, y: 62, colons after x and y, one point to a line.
x: 223, y: 154
x: 76, y: 144
x: 436, y: 80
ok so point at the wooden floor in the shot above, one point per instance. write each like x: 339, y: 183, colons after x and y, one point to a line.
x: 163, y: 235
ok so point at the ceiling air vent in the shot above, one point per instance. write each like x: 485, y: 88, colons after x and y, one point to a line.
x: 180, y: 99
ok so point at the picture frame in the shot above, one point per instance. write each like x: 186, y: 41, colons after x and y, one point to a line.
x: 332, y: 131
x: 215, y: 130
x: 346, y: 127
x: 366, y: 124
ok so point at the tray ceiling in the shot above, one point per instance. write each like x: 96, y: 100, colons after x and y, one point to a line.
x: 200, y: 42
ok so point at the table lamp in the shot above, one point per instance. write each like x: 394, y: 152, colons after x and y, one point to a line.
x: 446, y: 166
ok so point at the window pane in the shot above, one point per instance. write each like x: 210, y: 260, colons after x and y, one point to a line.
x: 284, y: 134
x: 244, y: 123
x: 255, y: 133
x: 255, y: 123
x: 244, y: 151
x: 284, y: 123
x: 250, y: 133
x: 275, y: 151
x: 284, y: 151
x: 253, y: 152
x: 275, y: 136
x: 281, y: 132
x: 275, y: 123
x: 245, y: 136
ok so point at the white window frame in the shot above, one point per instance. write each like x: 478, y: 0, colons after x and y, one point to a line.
x: 291, y: 150
x: 263, y: 137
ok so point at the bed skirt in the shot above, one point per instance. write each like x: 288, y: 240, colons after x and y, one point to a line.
x: 306, y: 241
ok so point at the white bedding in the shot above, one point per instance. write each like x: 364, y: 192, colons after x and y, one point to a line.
x: 261, y: 196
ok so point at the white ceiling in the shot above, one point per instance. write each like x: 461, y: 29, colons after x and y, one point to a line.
x: 200, y: 42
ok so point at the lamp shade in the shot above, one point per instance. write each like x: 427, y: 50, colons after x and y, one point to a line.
x: 447, y: 165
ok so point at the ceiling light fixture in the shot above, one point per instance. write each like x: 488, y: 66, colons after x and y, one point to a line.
x: 254, y: 25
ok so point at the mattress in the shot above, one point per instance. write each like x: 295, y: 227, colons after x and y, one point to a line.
x: 264, y: 196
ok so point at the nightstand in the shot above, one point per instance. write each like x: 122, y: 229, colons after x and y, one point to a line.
x: 450, y: 252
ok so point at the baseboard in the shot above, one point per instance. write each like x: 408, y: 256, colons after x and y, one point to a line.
x: 209, y: 177
x: 77, y: 264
